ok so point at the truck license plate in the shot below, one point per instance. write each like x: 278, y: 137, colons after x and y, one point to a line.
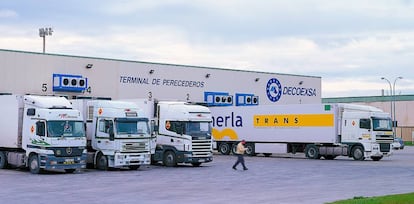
x: 69, y: 161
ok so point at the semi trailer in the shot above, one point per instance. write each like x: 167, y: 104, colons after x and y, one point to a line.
x: 318, y: 130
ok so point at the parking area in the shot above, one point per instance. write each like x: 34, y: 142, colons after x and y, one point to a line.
x: 275, y: 179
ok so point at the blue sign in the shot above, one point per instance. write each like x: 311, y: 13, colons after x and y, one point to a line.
x: 246, y: 100
x: 69, y: 83
x: 218, y: 99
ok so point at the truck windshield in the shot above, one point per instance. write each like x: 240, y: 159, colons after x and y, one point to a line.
x: 382, y: 124
x: 65, y: 128
x: 131, y: 126
x: 197, y: 128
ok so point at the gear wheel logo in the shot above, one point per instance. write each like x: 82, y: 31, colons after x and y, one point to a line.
x: 274, y: 89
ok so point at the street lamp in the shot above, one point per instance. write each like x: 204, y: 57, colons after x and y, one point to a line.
x: 395, y: 80
x: 43, y: 32
x: 392, y: 100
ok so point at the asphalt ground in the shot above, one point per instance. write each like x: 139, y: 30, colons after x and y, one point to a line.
x: 276, y: 179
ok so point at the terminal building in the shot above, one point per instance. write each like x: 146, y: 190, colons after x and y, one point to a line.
x: 90, y: 77
x: 77, y: 76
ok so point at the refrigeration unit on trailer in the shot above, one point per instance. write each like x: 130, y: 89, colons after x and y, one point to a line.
x: 118, y: 133
x: 318, y: 130
x: 183, y: 132
x: 41, y: 133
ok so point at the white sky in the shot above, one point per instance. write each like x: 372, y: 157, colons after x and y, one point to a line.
x: 351, y: 44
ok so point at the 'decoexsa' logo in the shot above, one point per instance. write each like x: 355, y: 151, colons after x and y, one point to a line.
x: 274, y: 89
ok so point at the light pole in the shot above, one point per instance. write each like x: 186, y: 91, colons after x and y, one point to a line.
x: 392, y: 100
x: 395, y: 80
x: 43, y: 32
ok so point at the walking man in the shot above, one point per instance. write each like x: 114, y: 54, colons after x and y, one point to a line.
x: 240, y: 152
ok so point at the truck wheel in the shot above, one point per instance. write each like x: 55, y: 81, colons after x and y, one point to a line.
x: 196, y: 164
x: 34, y: 165
x: 3, y: 160
x: 70, y: 170
x: 134, y: 167
x: 170, y: 160
x: 312, y: 152
x: 102, y: 162
x: 234, y: 148
x: 224, y: 148
x: 250, y: 149
x: 376, y: 158
x: 358, y: 153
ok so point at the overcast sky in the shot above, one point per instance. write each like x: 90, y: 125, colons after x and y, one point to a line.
x: 351, y: 44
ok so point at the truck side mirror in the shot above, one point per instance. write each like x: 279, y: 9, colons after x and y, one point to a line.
x: 154, y: 127
x: 40, y: 128
x: 111, y: 134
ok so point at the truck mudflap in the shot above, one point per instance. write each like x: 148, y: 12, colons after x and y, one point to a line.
x: 131, y: 159
x: 50, y: 162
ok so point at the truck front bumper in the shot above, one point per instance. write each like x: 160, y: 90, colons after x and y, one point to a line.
x: 131, y: 159
x: 187, y: 157
x: 50, y: 162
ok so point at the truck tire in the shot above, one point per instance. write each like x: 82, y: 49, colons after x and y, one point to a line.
x: 102, y: 162
x: 312, y: 152
x: 224, y: 148
x: 3, y: 160
x: 358, y: 153
x: 250, y: 149
x: 170, y: 159
x: 34, y: 165
x: 234, y: 148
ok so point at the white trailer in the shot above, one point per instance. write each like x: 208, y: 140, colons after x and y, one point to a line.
x: 183, y: 132
x: 318, y: 130
x: 41, y: 133
x: 118, y: 133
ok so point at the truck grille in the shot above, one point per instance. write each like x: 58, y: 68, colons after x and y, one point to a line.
x: 201, y: 148
x: 384, y: 139
x: 385, y: 147
x: 67, y: 151
x: 135, y: 146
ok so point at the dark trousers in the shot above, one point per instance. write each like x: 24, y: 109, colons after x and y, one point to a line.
x: 240, y: 159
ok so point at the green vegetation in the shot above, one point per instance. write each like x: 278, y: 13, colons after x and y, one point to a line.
x: 389, y: 199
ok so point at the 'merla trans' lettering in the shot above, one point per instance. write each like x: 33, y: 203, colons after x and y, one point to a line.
x: 274, y: 120
x: 228, y: 121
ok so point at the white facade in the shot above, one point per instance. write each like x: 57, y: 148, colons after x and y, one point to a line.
x: 26, y: 72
